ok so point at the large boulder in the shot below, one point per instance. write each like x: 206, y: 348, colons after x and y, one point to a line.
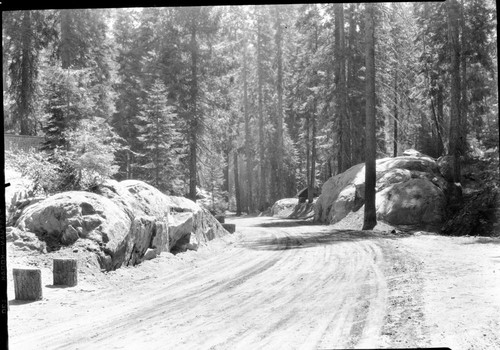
x: 413, y: 202
x: 293, y: 208
x: 179, y: 216
x: 283, y: 208
x: 64, y: 218
x: 130, y: 221
x: 410, y: 190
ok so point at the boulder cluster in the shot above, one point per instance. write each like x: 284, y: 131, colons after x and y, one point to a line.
x: 129, y: 221
x: 410, y: 190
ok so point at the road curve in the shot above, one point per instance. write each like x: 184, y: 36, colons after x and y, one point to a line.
x: 282, y: 286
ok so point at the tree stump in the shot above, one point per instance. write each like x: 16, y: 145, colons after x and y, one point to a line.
x: 229, y: 227
x: 27, y: 284
x: 65, y: 272
x: 220, y: 218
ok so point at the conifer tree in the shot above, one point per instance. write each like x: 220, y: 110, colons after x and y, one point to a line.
x: 158, y: 135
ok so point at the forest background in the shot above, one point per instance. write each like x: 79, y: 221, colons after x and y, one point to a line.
x: 251, y: 103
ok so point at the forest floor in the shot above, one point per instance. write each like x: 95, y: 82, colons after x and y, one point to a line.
x: 276, y: 284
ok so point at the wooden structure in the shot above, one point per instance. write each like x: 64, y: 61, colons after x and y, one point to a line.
x: 22, y: 142
x: 65, y: 272
x: 27, y: 284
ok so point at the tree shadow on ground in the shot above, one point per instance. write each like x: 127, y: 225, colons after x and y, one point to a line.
x: 21, y: 302
x: 57, y: 286
x: 313, y: 239
x: 289, y: 223
x: 483, y: 240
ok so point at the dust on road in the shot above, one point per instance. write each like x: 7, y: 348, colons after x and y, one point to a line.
x: 279, y: 284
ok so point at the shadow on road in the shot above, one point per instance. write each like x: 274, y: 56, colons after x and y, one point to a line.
x: 21, y: 302
x: 289, y: 223
x: 484, y: 240
x: 312, y: 239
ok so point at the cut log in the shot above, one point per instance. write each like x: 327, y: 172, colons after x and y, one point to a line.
x: 27, y: 284
x: 65, y: 272
x: 229, y: 227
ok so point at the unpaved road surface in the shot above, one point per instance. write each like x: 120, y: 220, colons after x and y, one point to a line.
x: 279, y: 284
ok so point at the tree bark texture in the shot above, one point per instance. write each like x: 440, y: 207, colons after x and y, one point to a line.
x: 370, y: 218
x: 248, y: 141
x: 312, y: 176
x: 65, y: 45
x: 193, y: 142
x: 352, y: 67
x: 344, y: 161
x: 27, y: 284
x: 237, y: 192
x: 65, y: 272
x: 27, y: 75
x: 279, y: 107
x: 262, y: 145
x: 464, y: 106
x: 396, y: 116
x: 456, y: 140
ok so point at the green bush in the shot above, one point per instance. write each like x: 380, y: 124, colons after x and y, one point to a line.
x: 34, y: 166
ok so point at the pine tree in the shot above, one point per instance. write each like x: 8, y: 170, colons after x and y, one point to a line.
x: 158, y: 135
x: 25, y: 34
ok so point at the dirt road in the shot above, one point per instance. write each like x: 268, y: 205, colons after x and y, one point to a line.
x: 280, y: 284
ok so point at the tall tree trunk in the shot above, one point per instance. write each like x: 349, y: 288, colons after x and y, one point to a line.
x: 439, y: 118
x: 312, y: 176
x: 307, y: 139
x: 344, y: 159
x: 357, y: 135
x: 395, y: 131
x: 455, y: 142
x: 463, y: 70
x: 248, y: 141
x: 370, y: 217
x: 65, y: 38
x: 279, y: 107
x: 262, y: 144
x: 225, y: 171
x: 394, y: 36
x: 157, y: 165
x: 26, y: 74
x: 193, y: 145
x: 237, y: 192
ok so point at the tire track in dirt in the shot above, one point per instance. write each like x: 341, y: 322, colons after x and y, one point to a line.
x: 295, y: 291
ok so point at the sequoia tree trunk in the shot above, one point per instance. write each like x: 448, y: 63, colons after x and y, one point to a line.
x: 370, y: 217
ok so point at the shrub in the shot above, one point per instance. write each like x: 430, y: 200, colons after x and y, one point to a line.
x: 34, y: 166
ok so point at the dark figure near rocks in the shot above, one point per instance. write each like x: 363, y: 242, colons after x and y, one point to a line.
x: 304, y: 193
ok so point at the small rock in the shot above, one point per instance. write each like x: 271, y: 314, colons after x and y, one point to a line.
x: 75, y: 250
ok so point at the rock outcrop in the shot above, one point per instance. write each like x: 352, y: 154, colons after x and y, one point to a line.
x: 410, y: 191
x: 292, y: 208
x: 64, y: 218
x: 130, y: 221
